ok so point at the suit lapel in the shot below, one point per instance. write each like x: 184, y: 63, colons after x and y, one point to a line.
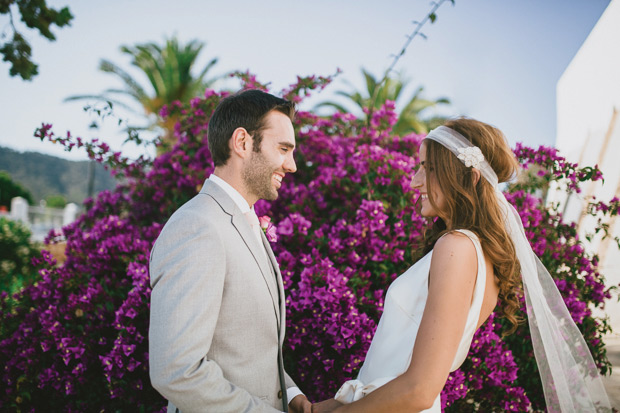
x: 240, y: 223
x: 280, y: 284
x: 243, y: 227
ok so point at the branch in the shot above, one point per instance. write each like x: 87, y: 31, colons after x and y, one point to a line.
x: 35, y: 15
x: 431, y: 16
x: 11, y: 20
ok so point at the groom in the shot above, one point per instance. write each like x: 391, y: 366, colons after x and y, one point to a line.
x: 217, y: 302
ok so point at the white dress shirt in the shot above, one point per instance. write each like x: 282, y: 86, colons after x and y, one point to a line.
x: 232, y: 192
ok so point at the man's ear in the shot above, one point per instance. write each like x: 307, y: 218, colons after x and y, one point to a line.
x: 241, y: 142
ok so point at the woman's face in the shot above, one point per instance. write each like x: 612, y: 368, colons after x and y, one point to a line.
x: 419, y: 183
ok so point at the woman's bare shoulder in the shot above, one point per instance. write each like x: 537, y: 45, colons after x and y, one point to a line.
x: 456, y: 244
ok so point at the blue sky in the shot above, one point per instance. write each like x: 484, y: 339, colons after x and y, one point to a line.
x: 497, y: 61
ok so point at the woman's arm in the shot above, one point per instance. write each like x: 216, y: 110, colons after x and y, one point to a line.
x: 452, y: 279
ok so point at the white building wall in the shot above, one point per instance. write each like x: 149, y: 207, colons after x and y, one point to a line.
x: 588, y: 132
x: 589, y: 88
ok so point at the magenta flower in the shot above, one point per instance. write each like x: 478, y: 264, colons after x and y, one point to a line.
x: 269, y: 229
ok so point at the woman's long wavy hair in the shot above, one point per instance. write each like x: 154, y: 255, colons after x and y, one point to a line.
x: 471, y: 204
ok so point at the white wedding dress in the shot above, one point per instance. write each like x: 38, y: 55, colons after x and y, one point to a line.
x: 390, y: 352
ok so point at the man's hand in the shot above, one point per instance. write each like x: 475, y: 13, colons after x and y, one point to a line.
x: 325, y: 406
x: 300, y: 404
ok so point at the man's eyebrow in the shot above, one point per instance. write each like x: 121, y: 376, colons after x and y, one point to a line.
x: 287, y: 144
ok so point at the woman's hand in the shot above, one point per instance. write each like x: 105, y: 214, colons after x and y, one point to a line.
x: 300, y: 404
x: 325, y: 406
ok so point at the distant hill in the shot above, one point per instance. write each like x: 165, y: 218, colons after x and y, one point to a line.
x: 45, y: 175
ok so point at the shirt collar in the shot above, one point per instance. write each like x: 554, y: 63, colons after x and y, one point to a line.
x: 232, y: 192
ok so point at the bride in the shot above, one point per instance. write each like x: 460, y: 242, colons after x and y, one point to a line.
x: 475, y: 253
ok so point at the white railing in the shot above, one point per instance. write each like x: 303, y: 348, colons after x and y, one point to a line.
x: 42, y: 219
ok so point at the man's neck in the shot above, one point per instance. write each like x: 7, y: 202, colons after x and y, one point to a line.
x: 235, y: 180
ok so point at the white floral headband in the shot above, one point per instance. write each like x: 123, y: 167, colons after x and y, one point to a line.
x: 467, y: 153
x: 471, y: 156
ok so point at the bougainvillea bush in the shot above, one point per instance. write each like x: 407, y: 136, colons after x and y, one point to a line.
x: 346, y: 226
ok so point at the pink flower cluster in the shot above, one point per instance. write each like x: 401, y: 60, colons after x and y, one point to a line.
x: 553, y: 167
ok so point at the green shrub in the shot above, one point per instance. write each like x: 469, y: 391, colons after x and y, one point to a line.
x: 56, y: 201
x: 9, y: 189
x: 16, y: 252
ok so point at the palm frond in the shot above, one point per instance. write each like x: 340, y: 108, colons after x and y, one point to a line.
x: 133, y: 87
x: 333, y: 105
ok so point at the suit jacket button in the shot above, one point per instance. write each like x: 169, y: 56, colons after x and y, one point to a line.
x: 279, y: 394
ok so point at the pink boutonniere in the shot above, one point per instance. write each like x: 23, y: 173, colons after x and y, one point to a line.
x: 268, y: 228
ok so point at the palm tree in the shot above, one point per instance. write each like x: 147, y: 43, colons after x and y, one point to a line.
x: 169, y: 71
x: 410, y: 117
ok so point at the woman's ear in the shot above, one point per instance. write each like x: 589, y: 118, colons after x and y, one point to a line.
x: 241, y: 142
x: 477, y: 175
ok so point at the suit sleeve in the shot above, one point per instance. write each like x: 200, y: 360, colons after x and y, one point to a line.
x: 188, y: 269
x: 288, y: 381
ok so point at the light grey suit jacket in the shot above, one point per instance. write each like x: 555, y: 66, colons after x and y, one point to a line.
x: 217, y: 311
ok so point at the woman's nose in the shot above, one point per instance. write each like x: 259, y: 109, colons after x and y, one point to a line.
x: 417, y: 180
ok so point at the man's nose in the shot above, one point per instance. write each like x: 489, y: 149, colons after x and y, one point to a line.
x: 289, y: 165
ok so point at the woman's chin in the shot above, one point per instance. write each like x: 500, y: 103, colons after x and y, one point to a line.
x: 427, y: 214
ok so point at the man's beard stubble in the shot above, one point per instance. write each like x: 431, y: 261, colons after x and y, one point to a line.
x: 258, y: 175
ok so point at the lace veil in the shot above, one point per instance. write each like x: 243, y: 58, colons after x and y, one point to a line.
x: 570, y: 378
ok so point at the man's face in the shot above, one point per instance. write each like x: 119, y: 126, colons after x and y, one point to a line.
x: 264, y: 170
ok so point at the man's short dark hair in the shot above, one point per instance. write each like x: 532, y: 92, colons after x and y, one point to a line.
x: 246, y: 109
